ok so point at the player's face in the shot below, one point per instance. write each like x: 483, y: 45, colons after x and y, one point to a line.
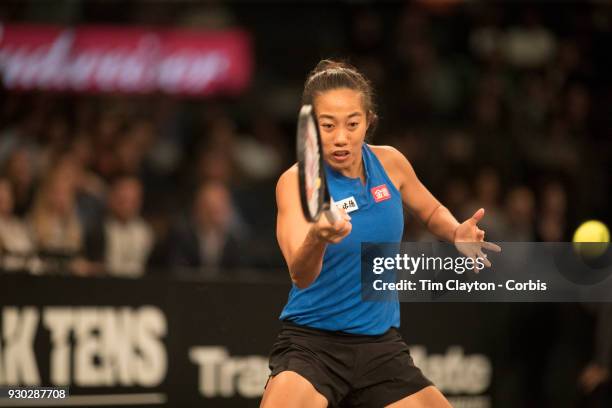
x: 343, y: 125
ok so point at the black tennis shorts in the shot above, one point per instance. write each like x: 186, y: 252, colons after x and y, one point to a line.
x: 349, y: 370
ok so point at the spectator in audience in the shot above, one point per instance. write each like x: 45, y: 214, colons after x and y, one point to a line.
x: 132, y: 147
x: 19, y: 171
x: 260, y: 154
x: 552, y: 220
x: 578, y: 107
x: 212, y: 237
x: 105, y: 138
x: 214, y: 165
x: 56, y: 227
x: 53, y: 142
x: 529, y: 45
x: 17, y: 252
x: 82, y: 152
x: 128, y: 239
x: 89, y: 190
x: 520, y: 213
x: 486, y: 35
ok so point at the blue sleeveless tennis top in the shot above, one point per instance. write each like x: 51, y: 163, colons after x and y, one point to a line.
x: 333, y: 300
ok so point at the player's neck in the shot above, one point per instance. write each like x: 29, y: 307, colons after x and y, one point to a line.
x: 355, y: 170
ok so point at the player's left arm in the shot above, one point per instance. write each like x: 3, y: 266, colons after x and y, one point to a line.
x: 467, y: 237
x: 417, y: 198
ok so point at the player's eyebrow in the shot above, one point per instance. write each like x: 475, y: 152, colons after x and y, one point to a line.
x: 326, y: 116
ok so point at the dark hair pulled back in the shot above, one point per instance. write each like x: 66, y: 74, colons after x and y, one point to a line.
x: 331, y: 74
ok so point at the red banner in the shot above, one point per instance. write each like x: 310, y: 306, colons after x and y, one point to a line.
x: 124, y: 59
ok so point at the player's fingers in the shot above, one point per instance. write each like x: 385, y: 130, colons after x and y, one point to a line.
x: 327, y: 232
x: 484, y: 259
x: 340, y: 218
x: 345, y: 214
x: 336, y: 238
x: 323, y: 222
x: 322, y: 234
x: 491, y: 246
x: 346, y: 229
x: 339, y: 226
x: 337, y: 232
x: 480, y: 234
x: 477, y: 215
x: 332, y: 238
x: 476, y: 269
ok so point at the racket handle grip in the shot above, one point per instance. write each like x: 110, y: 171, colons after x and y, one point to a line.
x: 333, y: 214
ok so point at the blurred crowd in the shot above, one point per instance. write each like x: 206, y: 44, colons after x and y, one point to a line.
x: 502, y: 107
x: 91, y: 187
x: 499, y: 107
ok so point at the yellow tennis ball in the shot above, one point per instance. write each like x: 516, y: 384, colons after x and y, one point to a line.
x: 591, y: 238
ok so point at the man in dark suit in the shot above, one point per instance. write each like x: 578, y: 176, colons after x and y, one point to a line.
x: 212, y: 238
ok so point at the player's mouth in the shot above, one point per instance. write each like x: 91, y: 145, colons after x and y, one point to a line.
x: 341, y: 155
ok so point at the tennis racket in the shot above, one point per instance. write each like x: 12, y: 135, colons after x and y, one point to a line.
x: 314, y: 194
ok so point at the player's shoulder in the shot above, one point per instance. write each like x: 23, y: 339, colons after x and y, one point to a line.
x: 289, y: 174
x: 288, y: 178
x: 387, y: 155
x: 384, y: 149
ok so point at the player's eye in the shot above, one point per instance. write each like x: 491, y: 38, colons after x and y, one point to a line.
x: 327, y: 125
x: 353, y: 124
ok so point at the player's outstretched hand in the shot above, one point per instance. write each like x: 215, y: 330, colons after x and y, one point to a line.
x: 333, y: 233
x: 469, y: 240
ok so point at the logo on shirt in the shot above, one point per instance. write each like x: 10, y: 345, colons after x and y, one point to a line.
x: 348, y: 204
x: 381, y: 193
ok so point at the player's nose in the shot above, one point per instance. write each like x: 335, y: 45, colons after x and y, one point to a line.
x: 340, y: 137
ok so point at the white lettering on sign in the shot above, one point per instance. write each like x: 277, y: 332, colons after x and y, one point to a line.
x: 88, y: 59
x: 90, y: 346
x: 17, y: 358
x: 221, y: 375
x: 455, y: 372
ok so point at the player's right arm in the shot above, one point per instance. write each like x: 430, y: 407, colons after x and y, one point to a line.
x: 302, y: 243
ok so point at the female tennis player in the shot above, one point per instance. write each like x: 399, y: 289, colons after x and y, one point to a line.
x: 334, y: 349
